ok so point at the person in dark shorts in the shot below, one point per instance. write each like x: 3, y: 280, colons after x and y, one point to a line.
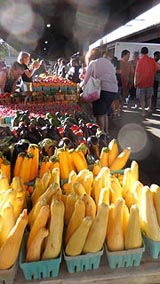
x: 102, y: 68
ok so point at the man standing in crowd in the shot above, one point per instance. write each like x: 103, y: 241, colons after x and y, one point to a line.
x: 125, y: 75
x: 131, y: 100
x: 73, y: 72
x: 156, y: 82
x: 145, y: 71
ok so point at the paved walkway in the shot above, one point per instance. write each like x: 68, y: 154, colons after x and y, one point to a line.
x: 143, y: 136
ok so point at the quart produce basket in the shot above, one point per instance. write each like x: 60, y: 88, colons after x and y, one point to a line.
x: 152, y: 248
x: 8, y: 119
x: 124, y: 258
x: 7, y: 276
x: 38, y: 269
x: 83, y: 262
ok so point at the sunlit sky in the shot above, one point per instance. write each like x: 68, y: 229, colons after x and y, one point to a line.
x: 143, y: 21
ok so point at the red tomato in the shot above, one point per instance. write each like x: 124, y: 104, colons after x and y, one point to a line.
x: 82, y: 141
x: 78, y: 132
x: 74, y: 127
x: 60, y: 130
x: 89, y: 124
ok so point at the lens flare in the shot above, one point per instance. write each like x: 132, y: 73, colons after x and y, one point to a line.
x: 134, y: 136
x: 17, y: 18
x: 29, y: 39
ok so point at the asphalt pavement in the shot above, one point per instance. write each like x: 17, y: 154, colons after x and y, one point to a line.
x: 142, y: 134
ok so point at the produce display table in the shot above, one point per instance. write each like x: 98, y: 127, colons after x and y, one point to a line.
x: 49, y: 94
x: 39, y: 108
x: 148, y: 272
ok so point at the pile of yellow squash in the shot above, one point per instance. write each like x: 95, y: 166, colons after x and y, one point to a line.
x: 13, y: 219
x: 79, y: 217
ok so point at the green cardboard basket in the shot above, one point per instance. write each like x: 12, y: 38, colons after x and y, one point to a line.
x: 83, y: 262
x: 124, y: 258
x: 152, y: 247
x: 7, y: 276
x: 38, y: 269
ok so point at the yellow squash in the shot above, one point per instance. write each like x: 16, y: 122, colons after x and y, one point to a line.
x: 64, y: 163
x: 18, y: 185
x: 72, y: 176
x: 69, y: 206
x: 78, y: 188
x: 75, y: 220
x: 81, y: 175
x: 4, y: 182
x: 46, y: 178
x: 55, y: 176
x: 115, y: 189
x: 25, y: 170
x: 125, y: 218
x: 53, y: 243
x: 35, y: 249
x: 9, y: 196
x: 8, y: 222
x: 135, y: 170
x: 6, y: 168
x: 18, y: 164
x: 113, y: 151
x: 40, y: 221
x: 96, y: 167
x: 34, y: 149
x: 104, y: 196
x: 97, y: 233
x: 133, y: 235
x: 148, y: 216
x: 90, y: 205
x: 35, y: 211
x: 19, y: 205
x: 50, y: 191
x: 39, y: 189
x: 137, y: 190
x: 79, y: 160
x: 10, y: 249
x: 77, y: 240
x: 156, y: 199
x: 121, y: 159
x: 87, y: 182
x: 127, y: 181
x: 104, y: 157
x: 114, y: 237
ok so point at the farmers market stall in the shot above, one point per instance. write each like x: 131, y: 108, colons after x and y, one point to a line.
x: 73, y: 208
x: 49, y: 94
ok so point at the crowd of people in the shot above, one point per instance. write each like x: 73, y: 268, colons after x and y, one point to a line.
x: 123, y: 81
x: 134, y: 82
x: 19, y: 76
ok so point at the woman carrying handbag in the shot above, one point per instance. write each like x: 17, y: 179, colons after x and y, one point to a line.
x: 102, y: 68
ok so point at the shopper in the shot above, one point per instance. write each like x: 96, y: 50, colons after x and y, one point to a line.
x: 131, y: 100
x: 2, y: 66
x: 30, y: 67
x: 146, y: 69
x: 82, y: 71
x: 56, y: 66
x: 9, y: 77
x: 125, y: 74
x: 105, y: 71
x: 73, y: 72
x: 156, y: 82
x: 62, y: 68
x: 115, y: 107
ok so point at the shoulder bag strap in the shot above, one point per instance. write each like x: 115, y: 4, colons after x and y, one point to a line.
x: 94, y: 69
